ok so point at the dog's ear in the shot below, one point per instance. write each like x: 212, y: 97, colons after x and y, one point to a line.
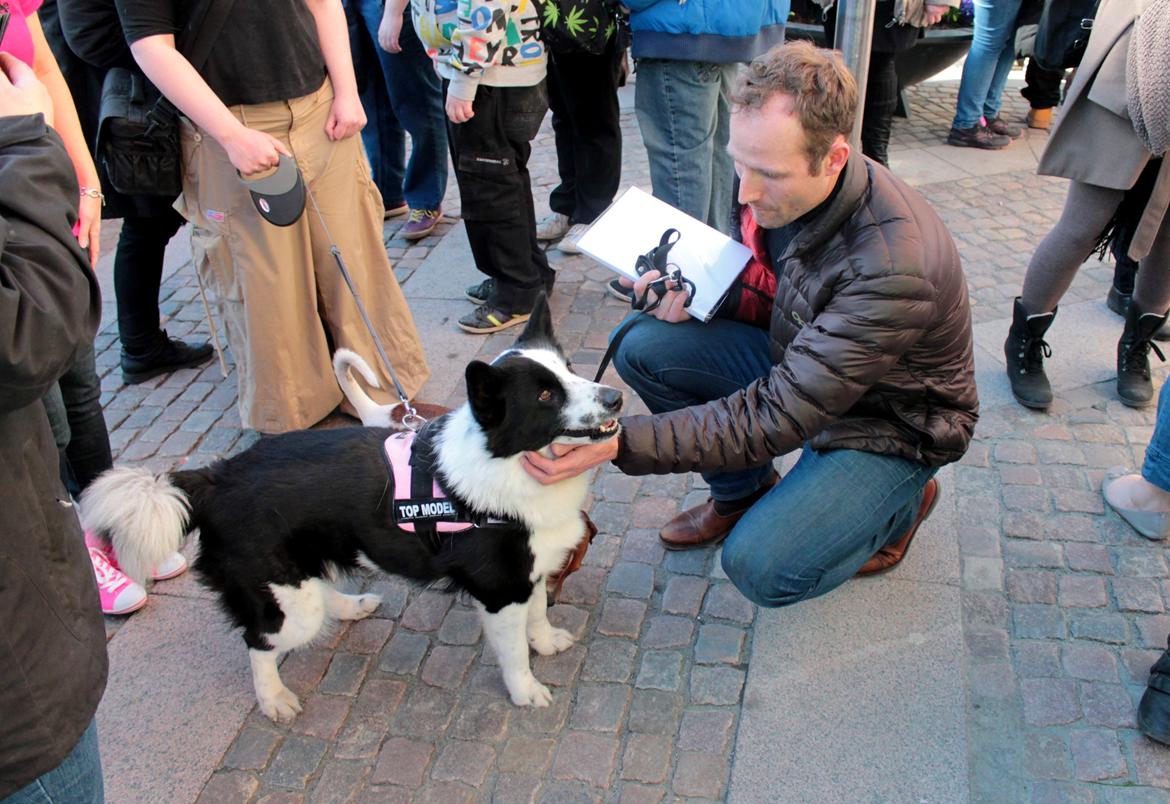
x: 539, y: 331
x: 484, y: 383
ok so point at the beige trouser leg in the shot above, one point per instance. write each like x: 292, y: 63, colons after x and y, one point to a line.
x: 283, y: 300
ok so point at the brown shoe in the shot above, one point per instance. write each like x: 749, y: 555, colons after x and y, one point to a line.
x: 701, y: 526
x: 889, y: 556
x: 1040, y: 118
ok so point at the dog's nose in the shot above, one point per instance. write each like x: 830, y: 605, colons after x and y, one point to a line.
x: 610, y: 398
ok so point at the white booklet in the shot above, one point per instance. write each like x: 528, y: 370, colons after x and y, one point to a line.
x: 633, y: 225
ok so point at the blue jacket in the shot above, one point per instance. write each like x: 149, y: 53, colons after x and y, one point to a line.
x: 719, y: 31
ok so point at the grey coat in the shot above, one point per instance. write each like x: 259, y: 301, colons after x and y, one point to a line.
x: 53, y: 642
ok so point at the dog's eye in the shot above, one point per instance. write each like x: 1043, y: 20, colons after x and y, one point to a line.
x: 545, y: 395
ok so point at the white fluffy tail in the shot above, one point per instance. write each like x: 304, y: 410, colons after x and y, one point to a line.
x: 144, y: 516
x: 370, y: 412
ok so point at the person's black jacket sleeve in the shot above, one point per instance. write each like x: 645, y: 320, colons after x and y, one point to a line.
x: 49, y: 301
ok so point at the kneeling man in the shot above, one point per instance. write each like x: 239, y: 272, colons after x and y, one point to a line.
x: 847, y: 334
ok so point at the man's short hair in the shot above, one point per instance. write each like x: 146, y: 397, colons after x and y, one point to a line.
x: 823, y: 92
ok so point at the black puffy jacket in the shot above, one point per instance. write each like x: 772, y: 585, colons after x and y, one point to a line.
x: 871, y: 343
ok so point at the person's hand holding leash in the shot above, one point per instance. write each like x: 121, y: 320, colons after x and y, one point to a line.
x: 569, y: 461
x: 459, y: 111
x: 672, y: 309
x: 346, y: 118
x: 252, y: 151
x: 20, y: 91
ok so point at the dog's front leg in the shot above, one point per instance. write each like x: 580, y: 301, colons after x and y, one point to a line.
x: 542, y: 636
x: 277, y: 701
x: 505, y: 632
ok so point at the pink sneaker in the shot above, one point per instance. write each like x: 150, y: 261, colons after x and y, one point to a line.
x: 118, y: 594
x: 172, y: 566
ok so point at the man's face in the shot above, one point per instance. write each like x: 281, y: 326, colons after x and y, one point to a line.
x: 775, y: 179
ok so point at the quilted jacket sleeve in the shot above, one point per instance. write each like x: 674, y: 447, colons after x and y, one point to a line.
x: 877, y: 312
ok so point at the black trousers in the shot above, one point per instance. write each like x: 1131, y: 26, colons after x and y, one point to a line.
x: 1041, y: 87
x: 490, y: 153
x: 582, y: 92
x: 881, y: 99
x: 138, y: 265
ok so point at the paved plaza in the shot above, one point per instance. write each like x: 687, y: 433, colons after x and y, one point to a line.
x: 1002, y: 661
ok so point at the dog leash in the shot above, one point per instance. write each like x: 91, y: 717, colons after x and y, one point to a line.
x: 653, y: 260
x: 411, y: 420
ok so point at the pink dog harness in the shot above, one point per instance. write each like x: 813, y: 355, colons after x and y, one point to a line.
x: 410, y: 507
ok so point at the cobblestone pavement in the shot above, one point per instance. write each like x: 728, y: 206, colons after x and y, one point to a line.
x: 1063, y: 605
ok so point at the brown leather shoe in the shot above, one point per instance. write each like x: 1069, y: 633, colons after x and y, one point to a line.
x: 701, y: 526
x: 889, y: 556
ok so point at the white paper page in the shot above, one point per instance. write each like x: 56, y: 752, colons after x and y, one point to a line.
x: 633, y: 225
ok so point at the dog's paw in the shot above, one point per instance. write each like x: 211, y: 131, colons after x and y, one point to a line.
x: 367, y: 605
x: 527, y: 691
x: 282, y: 706
x: 548, y: 640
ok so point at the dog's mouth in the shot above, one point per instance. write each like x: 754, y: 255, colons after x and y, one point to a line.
x: 607, y: 429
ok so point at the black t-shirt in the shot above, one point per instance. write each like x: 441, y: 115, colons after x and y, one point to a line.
x: 266, y: 51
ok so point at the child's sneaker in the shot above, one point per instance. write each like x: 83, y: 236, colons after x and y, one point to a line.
x: 172, y: 566
x: 118, y: 594
x: 421, y: 223
x: 484, y: 320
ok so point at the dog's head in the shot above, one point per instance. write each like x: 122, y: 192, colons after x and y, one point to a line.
x: 528, y: 398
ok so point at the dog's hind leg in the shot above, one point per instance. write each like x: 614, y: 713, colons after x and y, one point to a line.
x: 505, y: 631
x: 542, y: 636
x: 277, y: 701
x: 304, y: 615
x: 350, y: 607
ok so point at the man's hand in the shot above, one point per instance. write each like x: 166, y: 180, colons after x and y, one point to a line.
x: 459, y: 111
x: 935, y: 13
x: 20, y: 91
x: 570, y: 461
x: 252, y: 151
x: 672, y: 309
x: 346, y: 118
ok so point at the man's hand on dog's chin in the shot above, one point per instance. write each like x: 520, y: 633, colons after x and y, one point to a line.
x: 569, y: 460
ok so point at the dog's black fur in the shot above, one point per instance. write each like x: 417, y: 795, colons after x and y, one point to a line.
x: 280, y: 520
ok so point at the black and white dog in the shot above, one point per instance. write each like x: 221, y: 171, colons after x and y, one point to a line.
x: 278, y: 522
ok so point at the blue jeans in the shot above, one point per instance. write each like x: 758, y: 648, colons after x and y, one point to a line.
x: 399, y: 91
x: 77, y: 780
x: 1156, y: 467
x: 684, y: 114
x: 988, y: 63
x: 818, y: 525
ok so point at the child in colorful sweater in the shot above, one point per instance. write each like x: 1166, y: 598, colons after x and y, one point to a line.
x: 492, y: 62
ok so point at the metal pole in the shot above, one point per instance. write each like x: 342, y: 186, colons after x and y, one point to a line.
x: 854, y: 38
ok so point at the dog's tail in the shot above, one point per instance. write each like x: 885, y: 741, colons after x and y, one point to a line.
x: 370, y: 412
x: 145, y: 516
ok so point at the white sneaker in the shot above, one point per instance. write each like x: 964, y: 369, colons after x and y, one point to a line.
x: 552, y: 226
x: 171, y: 567
x: 568, y: 243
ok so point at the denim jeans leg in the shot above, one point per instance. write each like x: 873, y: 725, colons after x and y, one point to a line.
x: 821, y: 522
x: 382, y: 137
x: 673, y: 366
x: 415, y: 95
x: 994, y: 20
x: 678, y: 105
x: 77, y: 780
x: 1156, y: 467
x: 1007, y: 57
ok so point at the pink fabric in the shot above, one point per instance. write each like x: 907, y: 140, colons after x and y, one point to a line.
x: 17, y: 40
x: 398, y: 454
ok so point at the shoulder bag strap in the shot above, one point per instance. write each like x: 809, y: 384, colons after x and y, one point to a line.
x: 197, y: 38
